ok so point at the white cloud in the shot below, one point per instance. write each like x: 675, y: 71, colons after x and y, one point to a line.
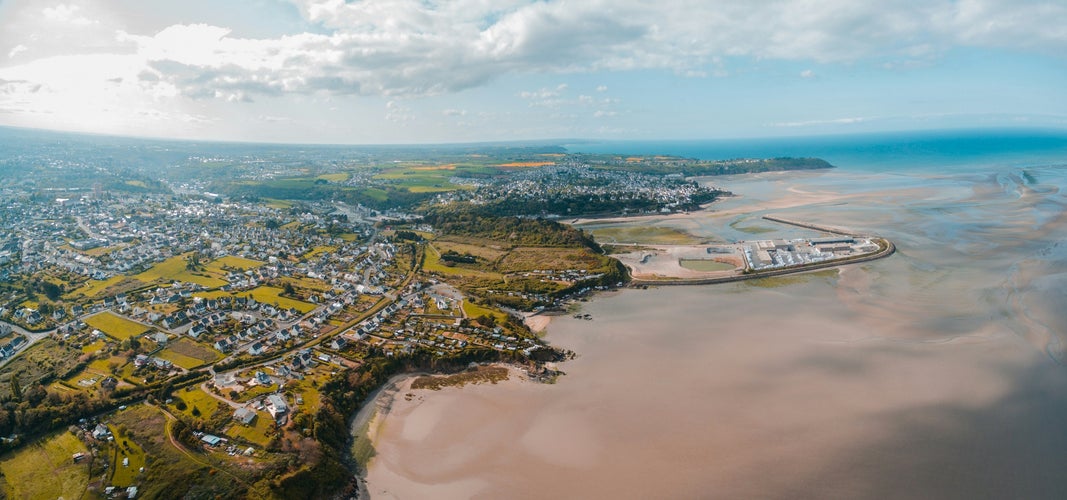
x: 16, y: 50
x: 66, y: 13
x: 403, y: 49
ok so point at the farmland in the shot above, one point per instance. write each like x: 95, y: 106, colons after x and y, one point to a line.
x: 116, y: 326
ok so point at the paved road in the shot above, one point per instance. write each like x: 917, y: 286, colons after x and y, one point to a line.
x: 31, y: 338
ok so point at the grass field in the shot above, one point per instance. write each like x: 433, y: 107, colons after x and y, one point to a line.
x: 336, y: 177
x: 255, y: 433
x: 705, y: 265
x: 46, y: 469
x: 317, y: 251
x: 234, y: 262
x: 93, y: 347
x: 272, y: 295
x: 188, y: 354
x: 198, y: 399
x: 534, y: 258
x: 38, y: 360
x: 116, y: 326
x: 475, y: 310
x: 645, y: 234
x: 433, y: 264
x: 93, y: 288
x: 278, y: 204
x: 174, y: 269
x: 125, y: 447
x: 482, y: 251
x: 255, y: 391
x: 172, y: 473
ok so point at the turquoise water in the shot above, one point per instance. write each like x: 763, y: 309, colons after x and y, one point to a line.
x: 945, y: 150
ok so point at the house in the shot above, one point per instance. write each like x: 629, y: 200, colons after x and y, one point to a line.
x: 101, y: 431
x: 263, y: 378
x: 162, y: 363
x: 140, y: 360
x: 338, y: 343
x: 210, y: 439
x: 223, y: 345
x: 159, y: 337
x: 244, y: 415
x: 276, y: 406
x: 256, y: 348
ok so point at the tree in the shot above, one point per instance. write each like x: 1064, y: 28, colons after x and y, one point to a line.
x: 51, y: 290
x: 16, y: 387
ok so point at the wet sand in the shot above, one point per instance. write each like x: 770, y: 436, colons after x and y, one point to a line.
x: 935, y: 373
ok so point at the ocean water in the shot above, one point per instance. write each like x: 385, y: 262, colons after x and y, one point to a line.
x: 944, y: 150
x: 938, y: 372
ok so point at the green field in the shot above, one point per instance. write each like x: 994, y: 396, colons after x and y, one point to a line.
x: 197, y: 398
x: 93, y: 288
x: 545, y: 258
x: 255, y: 433
x: 705, y: 265
x: 125, y: 447
x: 336, y: 177
x: 433, y: 264
x: 93, y: 347
x: 232, y: 261
x: 475, y: 310
x: 255, y: 391
x: 171, y: 472
x: 45, y: 469
x: 272, y: 295
x: 39, y: 360
x: 188, y: 354
x: 317, y: 251
x: 645, y: 234
x: 278, y: 204
x: 175, y: 269
x: 116, y: 326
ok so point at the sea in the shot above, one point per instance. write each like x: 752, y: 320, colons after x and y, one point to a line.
x: 938, y: 372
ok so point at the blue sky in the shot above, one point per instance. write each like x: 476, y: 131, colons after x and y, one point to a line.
x: 415, y: 71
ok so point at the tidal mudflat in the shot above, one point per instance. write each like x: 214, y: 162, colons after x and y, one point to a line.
x: 935, y: 373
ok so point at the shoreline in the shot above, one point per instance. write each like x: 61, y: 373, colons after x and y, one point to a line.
x: 366, y: 424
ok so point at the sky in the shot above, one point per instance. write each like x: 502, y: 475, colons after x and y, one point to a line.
x: 426, y: 71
